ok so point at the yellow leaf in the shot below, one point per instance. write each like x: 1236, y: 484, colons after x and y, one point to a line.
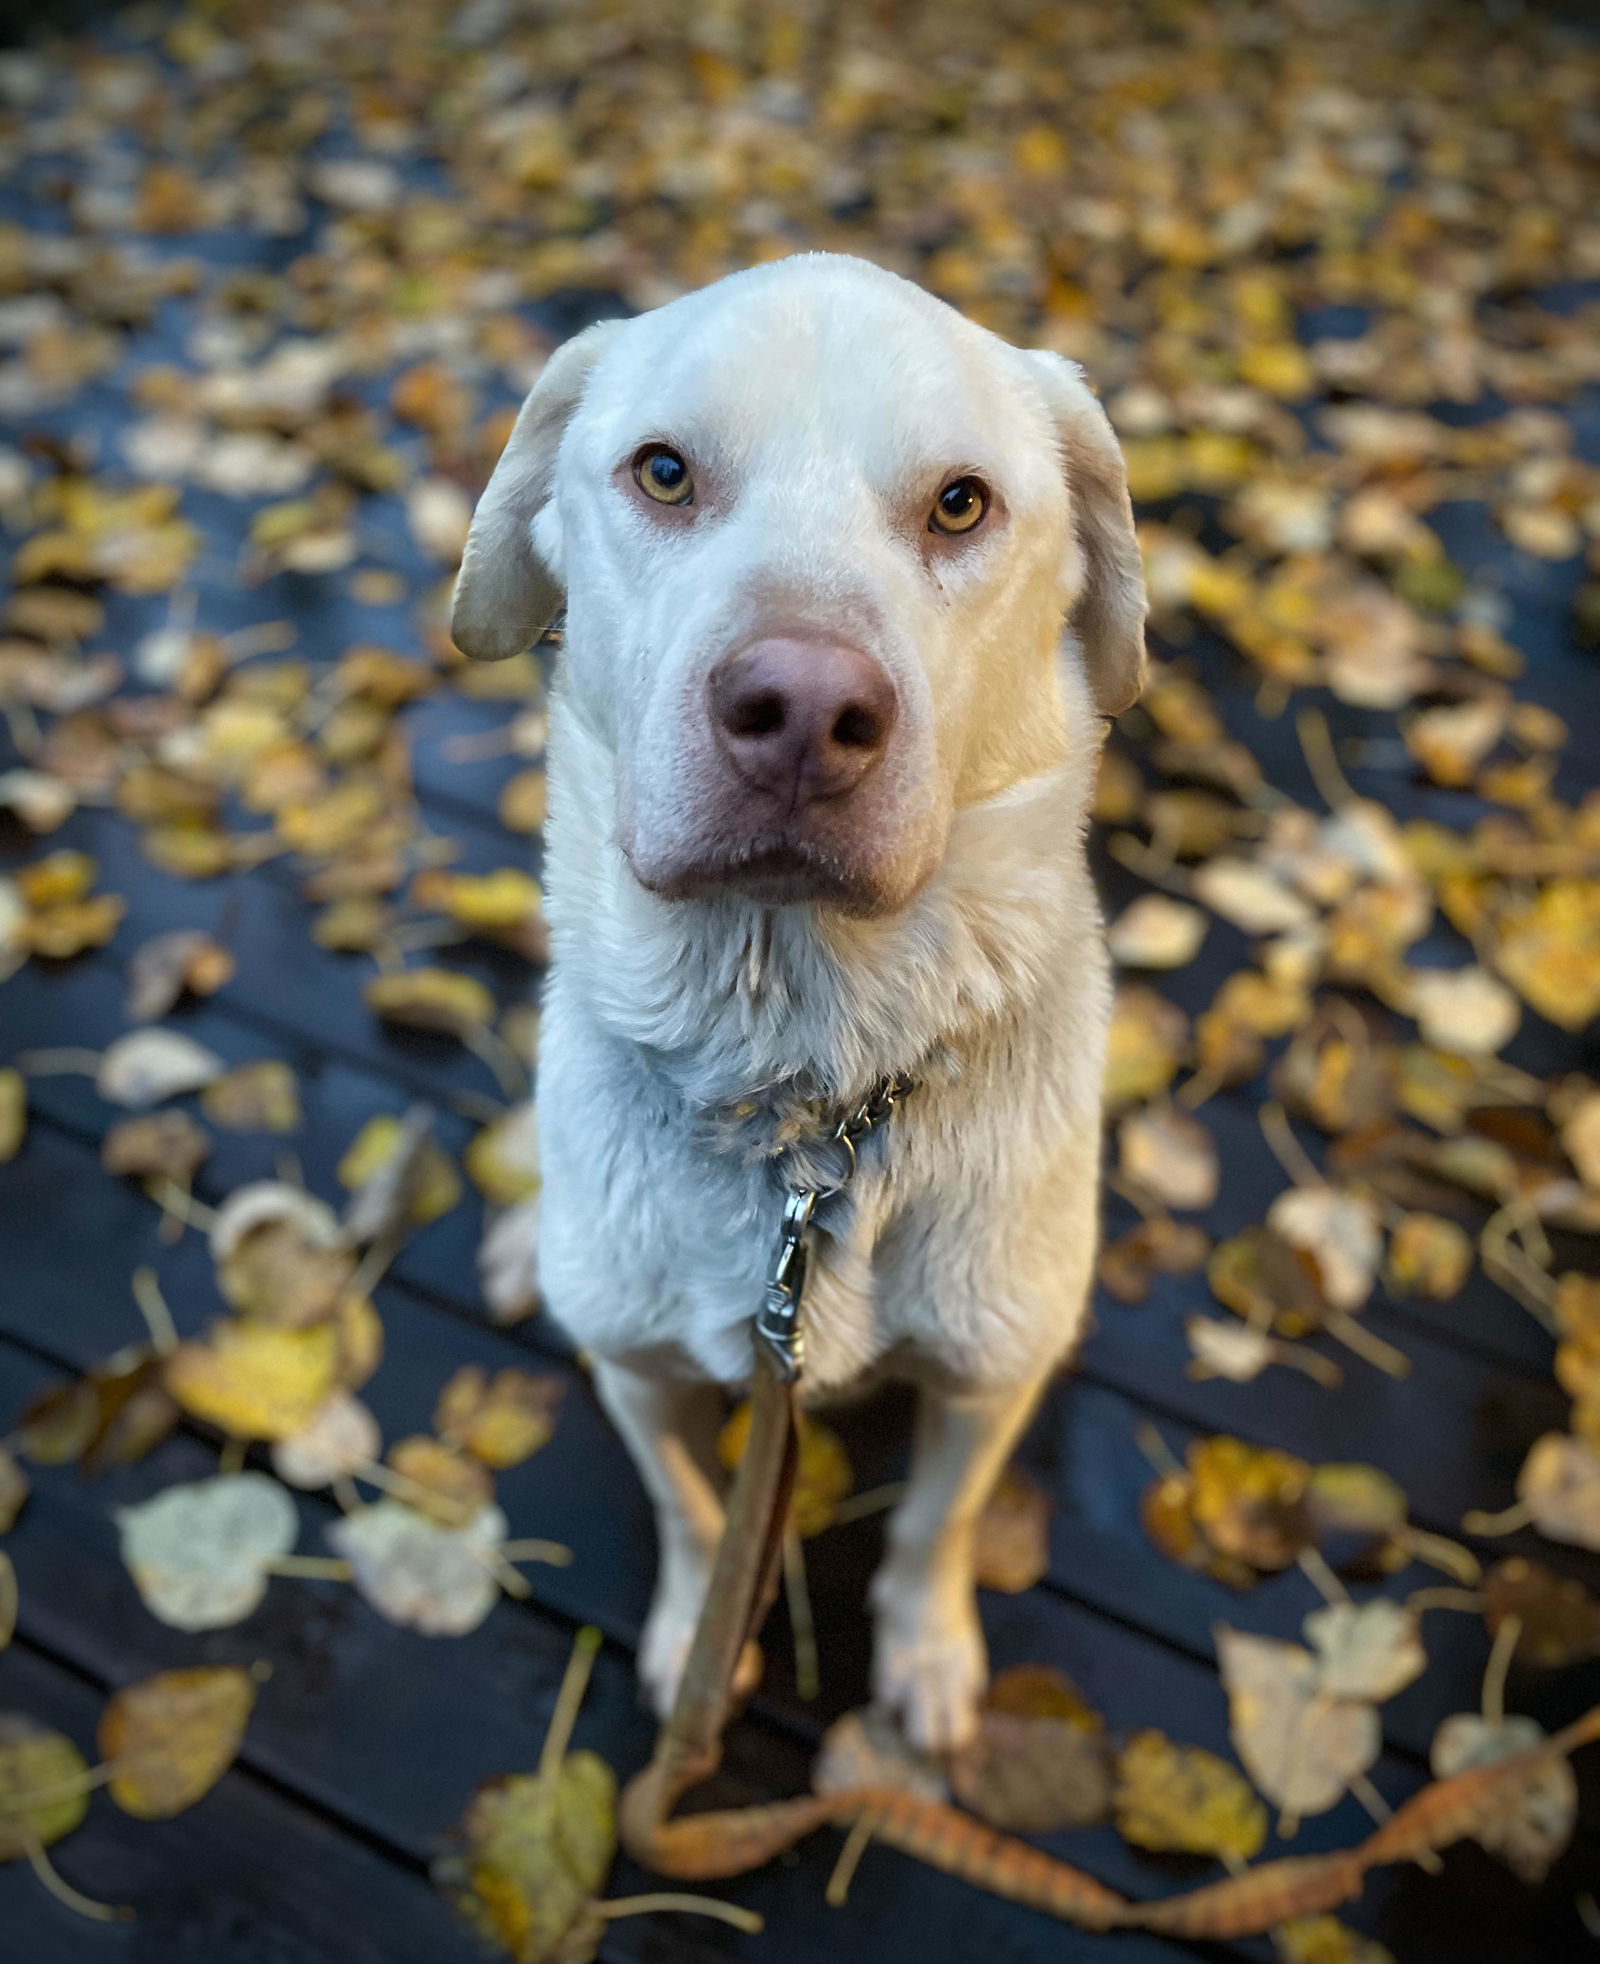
x: 34, y: 1760
x: 254, y: 1380
x: 1181, y: 1800
x: 501, y: 1420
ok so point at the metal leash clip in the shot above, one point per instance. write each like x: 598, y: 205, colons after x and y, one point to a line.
x: 778, y: 1325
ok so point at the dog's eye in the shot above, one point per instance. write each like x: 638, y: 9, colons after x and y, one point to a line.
x: 959, y: 506
x: 662, y: 474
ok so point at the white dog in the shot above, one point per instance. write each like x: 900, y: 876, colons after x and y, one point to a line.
x: 849, y: 583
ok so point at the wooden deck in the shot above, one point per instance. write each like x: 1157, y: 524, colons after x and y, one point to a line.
x: 368, y: 1739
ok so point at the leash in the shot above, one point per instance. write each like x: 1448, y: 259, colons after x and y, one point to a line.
x: 731, y: 1841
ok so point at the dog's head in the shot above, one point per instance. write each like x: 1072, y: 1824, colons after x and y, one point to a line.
x: 835, y: 562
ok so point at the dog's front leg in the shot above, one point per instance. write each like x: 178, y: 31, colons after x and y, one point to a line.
x: 929, y: 1662
x: 670, y: 1427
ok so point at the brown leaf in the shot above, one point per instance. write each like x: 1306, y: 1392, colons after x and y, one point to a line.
x: 1033, y: 1775
x: 1011, y: 1542
x: 1560, y: 1620
x: 172, y: 1737
x: 14, y: 1487
x: 168, y: 1145
x: 257, y: 1097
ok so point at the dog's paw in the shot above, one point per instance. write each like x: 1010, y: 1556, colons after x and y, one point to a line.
x: 508, y: 1263
x: 930, y: 1669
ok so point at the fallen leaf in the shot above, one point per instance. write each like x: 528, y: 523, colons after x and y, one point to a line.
x: 501, y: 1420
x: 1249, y: 1501
x: 13, y: 1113
x: 1301, y: 1746
x: 1428, y: 1256
x: 1560, y: 1485
x: 1559, y: 1619
x: 1531, y: 1824
x: 1032, y: 1775
x: 417, y: 1573
x: 822, y: 1478
x: 339, y: 1438
x: 1340, y: 1231
x: 258, y: 1097
x: 167, y: 1145
x: 1369, y: 1650
x: 1183, y: 1800
x: 1145, y: 1046
x: 164, y: 968
x: 171, y: 1737
x: 255, y: 1380
x: 867, y: 1749
x: 35, y: 1760
x: 1250, y: 896
x: 1155, y: 932
x: 503, y: 1159
x: 196, y: 1552
x: 534, y: 1851
x: 147, y: 1066
x: 1462, y: 1010
x: 436, y: 999
x: 14, y: 1486
x: 1171, y: 1154
x: 1325, y: 1940
x: 1011, y: 1542
x: 1041, y: 1691
x: 398, y: 1176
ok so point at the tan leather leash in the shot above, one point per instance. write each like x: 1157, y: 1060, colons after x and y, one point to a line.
x: 732, y: 1841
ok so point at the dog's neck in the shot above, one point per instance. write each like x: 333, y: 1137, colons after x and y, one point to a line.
x: 775, y: 1012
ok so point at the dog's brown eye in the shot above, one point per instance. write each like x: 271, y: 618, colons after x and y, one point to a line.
x: 959, y: 505
x: 662, y: 474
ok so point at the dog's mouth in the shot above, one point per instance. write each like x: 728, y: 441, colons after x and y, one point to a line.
x: 778, y: 870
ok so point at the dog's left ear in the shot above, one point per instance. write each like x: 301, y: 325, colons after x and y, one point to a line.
x: 1108, y: 615
x: 506, y: 595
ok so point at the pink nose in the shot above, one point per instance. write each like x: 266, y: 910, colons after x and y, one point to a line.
x: 802, y: 720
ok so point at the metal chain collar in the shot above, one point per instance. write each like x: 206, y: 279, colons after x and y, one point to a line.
x: 778, y: 1324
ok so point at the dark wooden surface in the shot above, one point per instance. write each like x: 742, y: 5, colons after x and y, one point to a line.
x: 368, y: 1740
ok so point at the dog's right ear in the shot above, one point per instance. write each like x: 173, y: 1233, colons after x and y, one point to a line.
x: 506, y: 596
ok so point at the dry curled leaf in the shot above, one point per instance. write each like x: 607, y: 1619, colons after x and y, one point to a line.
x: 1041, y: 1691
x: 171, y: 1737
x: 197, y: 1553
x: 1429, y: 1255
x: 1183, y: 1800
x: 1339, y: 1231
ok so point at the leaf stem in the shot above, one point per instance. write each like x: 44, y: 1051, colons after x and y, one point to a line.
x: 153, y: 1308
x: 64, y: 1892
x: 568, y: 1699
x: 1507, y: 1521
x: 861, y: 1832
x: 807, y: 1677
x: 747, y: 1920
x: 1493, y: 1700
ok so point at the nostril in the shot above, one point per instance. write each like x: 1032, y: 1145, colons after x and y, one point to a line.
x: 756, y: 716
x: 857, y: 727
